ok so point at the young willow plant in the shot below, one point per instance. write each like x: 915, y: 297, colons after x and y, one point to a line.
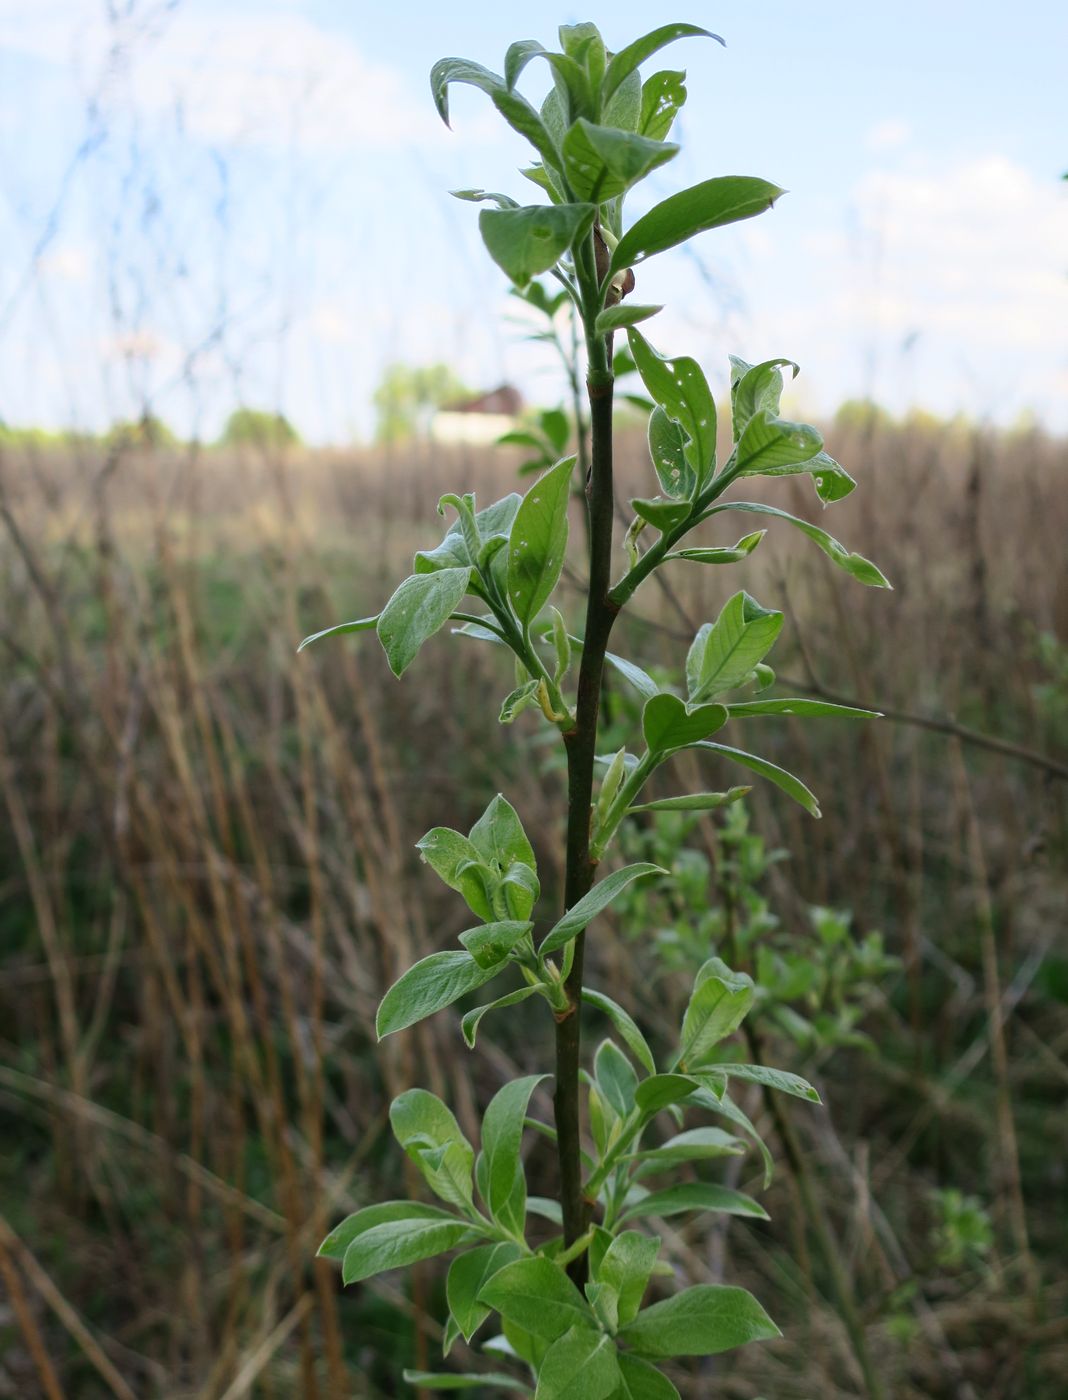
x: 572, y: 1308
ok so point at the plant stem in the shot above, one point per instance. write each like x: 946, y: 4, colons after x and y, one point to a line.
x: 581, y: 744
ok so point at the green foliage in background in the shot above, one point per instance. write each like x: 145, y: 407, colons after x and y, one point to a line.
x: 408, y: 396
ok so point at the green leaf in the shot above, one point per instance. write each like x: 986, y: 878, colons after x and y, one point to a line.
x: 536, y: 1295
x: 700, y: 1321
x: 526, y: 241
x: 724, y: 200
x: 831, y: 479
x: 770, y: 445
x: 561, y: 645
x: 490, y: 944
x: 457, y: 861
x: 627, y: 313
x: 429, y: 1380
x: 731, y: 555
x: 431, y: 1136
x: 516, y: 110
x: 693, y: 802
x: 517, y: 57
x: 499, y: 838
x: 502, y: 201
x: 538, y: 540
x: 339, y: 1239
x: 364, y: 624
x: 662, y: 515
x: 792, y: 786
x: 468, y: 1274
x: 720, y: 1002
x: 430, y: 985
x: 397, y: 1243
x: 419, y: 607
x: 723, y: 1104
x: 516, y: 701
x: 615, y: 1077
x: 546, y: 1208
x: 591, y: 904
x: 669, y: 724
x: 663, y: 95
x: 470, y: 1023
x: 626, y: 1267
x: 662, y: 1090
x: 780, y: 1079
x: 801, y: 707
x: 680, y: 388
x: 641, y: 1381
x: 601, y: 162
x: 581, y: 1365
x: 502, y: 1136
x: 694, y: 1195
x: 756, y: 389
x: 642, y: 682
x: 626, y: 1026
x: 631, y: 57
x: 696, y: 1145
x: 724, y: 654
x: 855, y: 564
x: 667, y: 449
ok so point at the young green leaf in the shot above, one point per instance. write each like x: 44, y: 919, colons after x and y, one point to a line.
x: 694, y: 1195
x: 662, y: 1090
x: 722, y: 555
x: 716, y: 1101
x: 364, y: 624
x: 755, y: 389
x: 516, y: 701
x: 615, y: 1077
x: 792, y: 786
x: 642, y: 682
x: 626, y: 313
x: 633, y: 55
x: 468, y: 1273
x: 699, y: 1321
x: 663, y: 96
x: 800, y: 707
x: 339, y: 1239
x: 642, y: 1381
x: 395, y: 1244
x: 669, y: 724
x: 536, y: 1295
x: 516, y: 110
x: 693, y: 802
x: 626, y: 1026
x: 680, y: 388
x: 601, y: 162
x: 490, y: 944
x: 780, y: 1079
x: 602, y: 894
x: 517, y: 57
x: 452, y: 1380
x: 420, y: 606
x: 526, y: 241
x: 470, y: 1023
x: 430, y: 985
x: 626, y: 1267
x: 499, y: 838
x: 720, y: 1002
x: 695, y: 1145
x: 431, y: 1136
x: 724, y: 654
x: 458, y: 862
x: 581, y: 1365
x: 661, y: 515
x: 502, y: 1136
x: 667, y: 444
x: 770, y: 445
x: 537, y: 542
x: 711, y: 204
x: 855, y: 564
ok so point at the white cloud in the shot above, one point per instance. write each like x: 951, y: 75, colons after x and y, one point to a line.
x: 889, y: 135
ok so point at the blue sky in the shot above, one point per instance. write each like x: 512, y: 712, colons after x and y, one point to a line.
x: 222, y: 201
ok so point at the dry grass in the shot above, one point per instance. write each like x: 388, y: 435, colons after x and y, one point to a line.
x: 207, y: 880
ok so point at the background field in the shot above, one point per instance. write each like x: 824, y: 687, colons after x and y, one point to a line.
x: 207, y: 879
